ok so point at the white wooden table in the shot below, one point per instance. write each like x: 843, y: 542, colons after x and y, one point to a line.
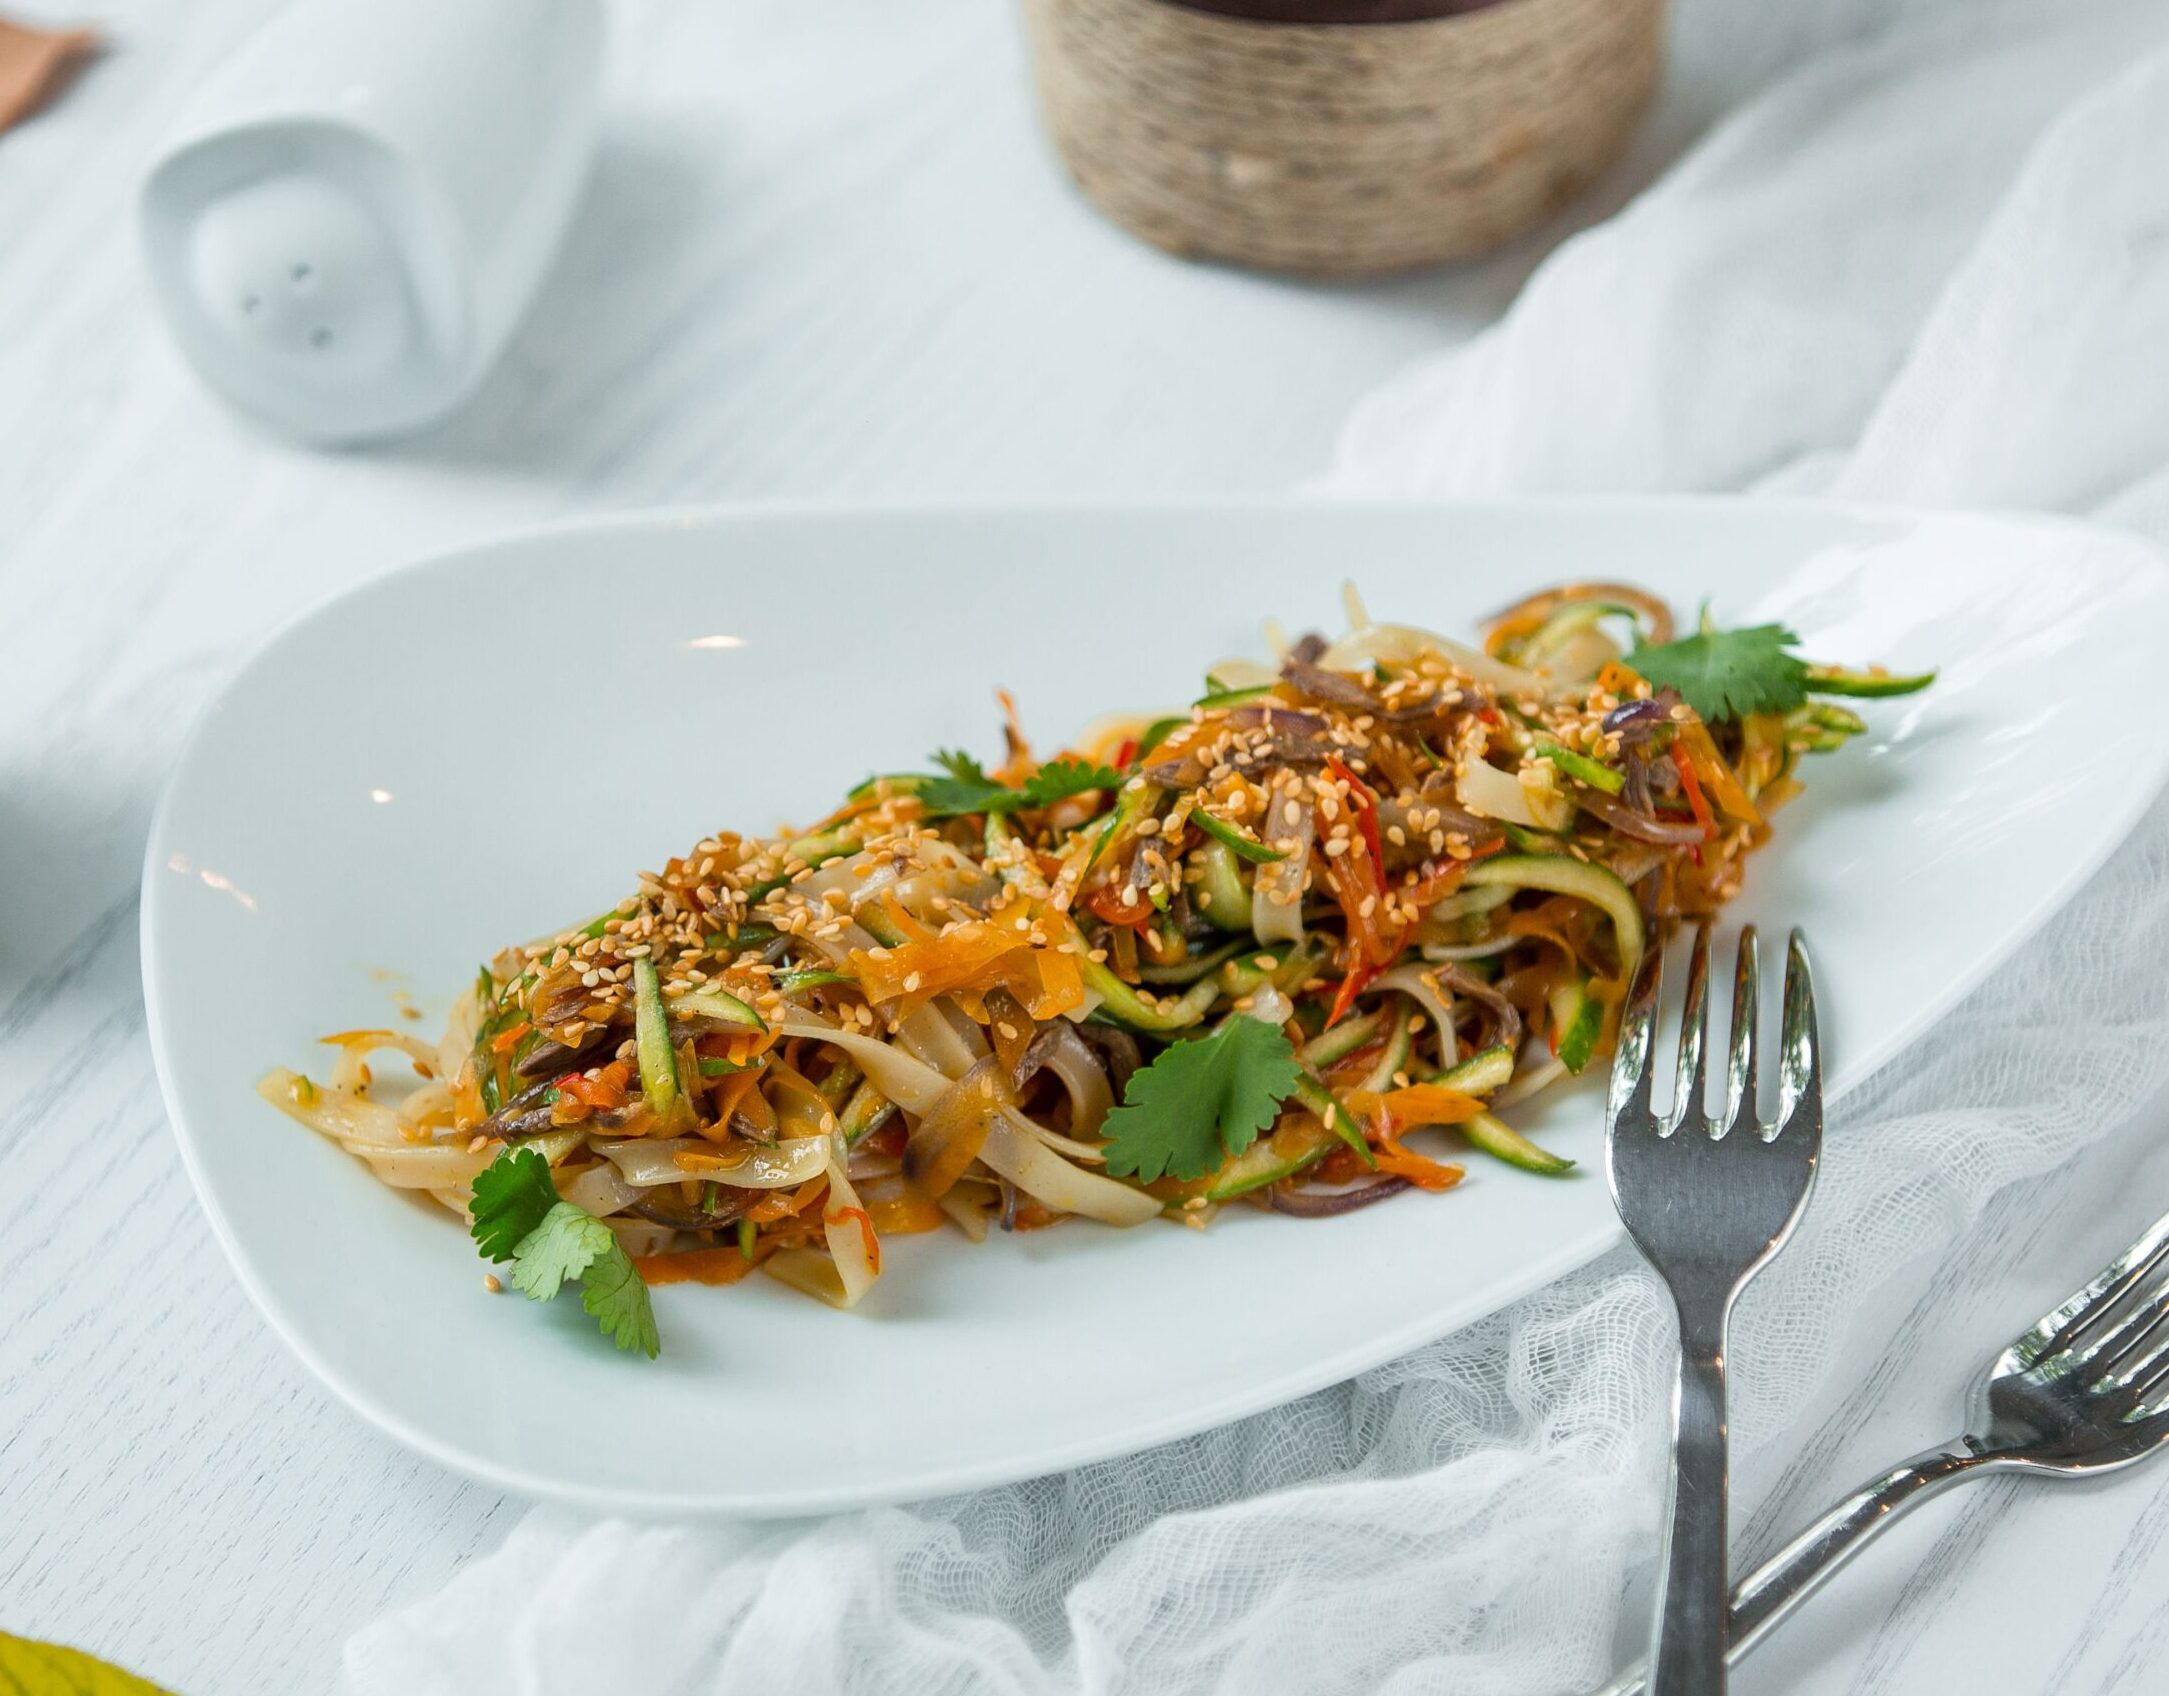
x: 824, y: 254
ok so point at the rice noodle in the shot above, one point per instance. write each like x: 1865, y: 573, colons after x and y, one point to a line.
x: 601, y: 1190
x: 1423, y: 988
x: 1281, y: 920
x: 647, y: 1161
x: 789, y: 1085
x: 1399, y: 644
x: 965, y: 1208
x: 1471, y: 950
x: 849, y: 1239
x: 1491, y: 793
x: 1015, y: 1152
x: 1090, y: 1095
x: 911, y: 1083
x: 1526, y: 1084
x: 948, y: 1139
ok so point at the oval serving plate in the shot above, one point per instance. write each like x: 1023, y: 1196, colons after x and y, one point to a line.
x: 481, y: 746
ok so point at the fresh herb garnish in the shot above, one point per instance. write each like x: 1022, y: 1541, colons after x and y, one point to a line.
x: 960, y: 765
x: 511, y: 1195
x: 1727, y: 674
x: 968, y: 789
x: 1201, y: 1102
x: 518, y: 1216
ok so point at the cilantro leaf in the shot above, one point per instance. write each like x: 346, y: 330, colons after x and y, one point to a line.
x: 519, y: 1217
x: 617, y: 1300
x: 1064, y: 778
x: 1201, y: 1102
x: 567, y: 1242
x: 947, y: 797
x: 513, y: 1194
x: 1726, y: 674
x: 969, y: 790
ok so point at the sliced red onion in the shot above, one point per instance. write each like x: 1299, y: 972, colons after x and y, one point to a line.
x: 1123, y: 1056
x: 1637, y: 717
x: 1640, y: 826
x: 1325, y: 1204
x: 1468, y: 984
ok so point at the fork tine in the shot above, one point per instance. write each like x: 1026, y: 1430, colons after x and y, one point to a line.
x: 2151, y: 1349
x: 1741, y: 1068
x: 1800, y: 1064
x: 1631, y: 1080
x: 2101, y: 1300
x: 2123, y: 1339
x: 1690, y: 1108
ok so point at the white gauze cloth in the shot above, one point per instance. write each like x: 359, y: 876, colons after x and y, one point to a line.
x: 1931, y: 265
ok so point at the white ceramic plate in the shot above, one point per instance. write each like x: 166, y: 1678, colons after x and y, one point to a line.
x: 485, y: 745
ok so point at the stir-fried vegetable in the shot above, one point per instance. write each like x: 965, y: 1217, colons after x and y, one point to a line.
x: 1379, y: 890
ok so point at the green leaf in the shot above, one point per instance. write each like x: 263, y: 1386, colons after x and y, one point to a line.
x: 960, y: 766
x: 975, y: 792
x: 1201, y: 1102
x: 949, y: 797
x: 519, y: 1217
x: 1726, y: 674
x: 567, y: 1242
x: 617, y: 1300
x: 512, y: 1195
x: 1064, y: 778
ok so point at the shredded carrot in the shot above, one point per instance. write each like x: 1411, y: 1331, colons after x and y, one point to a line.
x: 1510, y: 629
x: 1020, y: 750
x: 1710, y: 766
x: 1365, y: 803
x: 1405, y: 1163
x: 783, y: 1204
x: 1425, y: 1104
x: 699, y: 1160
x: 976, y: 956
x: 467, y: 1099
x: 905, y: 1215
x: 903, y: 919
x: 1344, y: 998
x: 506, y: 1040
x: 733, y: 1092
x: 695, y: 1266
x: 605, y: 1090
x: 1684, y: 764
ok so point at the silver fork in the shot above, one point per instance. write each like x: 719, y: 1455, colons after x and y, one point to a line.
x: 1708, y: 1202
x: 2084, y: 1390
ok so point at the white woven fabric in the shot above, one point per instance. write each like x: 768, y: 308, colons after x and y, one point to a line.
x: 1932, y: 265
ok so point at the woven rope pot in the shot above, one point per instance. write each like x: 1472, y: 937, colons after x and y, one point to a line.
x: 1339, y: 137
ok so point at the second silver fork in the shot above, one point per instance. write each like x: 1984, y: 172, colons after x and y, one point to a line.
x: 1708, y: 1200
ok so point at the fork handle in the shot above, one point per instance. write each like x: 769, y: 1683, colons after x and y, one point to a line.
x: 1693, y: 1619
x: 1805, y: 1564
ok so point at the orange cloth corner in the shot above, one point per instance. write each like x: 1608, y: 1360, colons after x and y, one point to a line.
x: 35, y: 64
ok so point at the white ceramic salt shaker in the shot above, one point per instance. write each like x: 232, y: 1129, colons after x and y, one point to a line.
x: 350, y: 219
